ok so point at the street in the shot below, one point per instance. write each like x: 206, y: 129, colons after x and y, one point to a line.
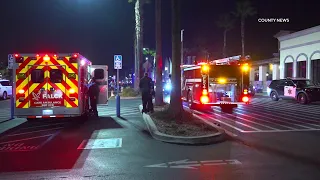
x: 268, y: 139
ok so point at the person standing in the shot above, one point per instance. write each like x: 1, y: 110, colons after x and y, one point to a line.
x: 94, y: 95
x: 146, y: 88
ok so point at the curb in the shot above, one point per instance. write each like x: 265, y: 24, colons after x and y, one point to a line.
x: 192, y: 140
x: 113, y: 97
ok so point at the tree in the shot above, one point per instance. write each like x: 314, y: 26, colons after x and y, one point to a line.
x: 244, y: 9
x: 138, y: 40
x: 175, y: 107
x: 149, y: 52
x: 226, y: 22
x: 159, y: 92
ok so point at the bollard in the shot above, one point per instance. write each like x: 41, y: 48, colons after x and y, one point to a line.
x: 118, y: 105
x: 12, y: 107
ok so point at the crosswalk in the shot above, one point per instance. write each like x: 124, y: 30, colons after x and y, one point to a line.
x: 264, y: 115
x: 132, y: 110
x: 5, y: 114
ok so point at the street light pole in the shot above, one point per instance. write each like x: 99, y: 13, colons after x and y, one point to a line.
x: 182, y: 57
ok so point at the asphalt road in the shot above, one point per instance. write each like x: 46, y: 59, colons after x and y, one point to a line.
x: 121, y: 148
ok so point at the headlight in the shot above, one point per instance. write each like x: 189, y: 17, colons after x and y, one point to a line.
x: 168, y: 87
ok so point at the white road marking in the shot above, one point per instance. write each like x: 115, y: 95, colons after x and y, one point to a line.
x: 274, y: 131
x: 35, y: 131
x: 185, y: 164
x: 43, y: 125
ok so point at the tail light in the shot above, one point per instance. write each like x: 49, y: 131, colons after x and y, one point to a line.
x: 21, y: 95
x: 21, y: 91
x: 72, y: 91
x: 72, y: 94
x: 204, y: 99
x: 245, y: 99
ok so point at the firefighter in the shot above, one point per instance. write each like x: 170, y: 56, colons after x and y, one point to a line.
x: 146, y: 92
x: 93, y: 95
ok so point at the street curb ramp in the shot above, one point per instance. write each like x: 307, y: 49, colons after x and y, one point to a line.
x: 192, y: 140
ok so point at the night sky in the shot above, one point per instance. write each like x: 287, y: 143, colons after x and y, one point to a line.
x: 98, y: 29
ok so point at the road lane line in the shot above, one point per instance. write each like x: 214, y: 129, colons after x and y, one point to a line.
x: 300, y: 115
x: 34, y: 131
x: 266, y: 126
x: 274, y: 131
x: 276, y: 118
x: 257, y: 129
x: 264, y: 120
x: 298, y: 109
x: 238, y: 129
x: 26, y: 139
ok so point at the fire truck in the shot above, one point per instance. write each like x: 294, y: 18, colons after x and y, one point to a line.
x: 222, y: 82
x: 50, y: 85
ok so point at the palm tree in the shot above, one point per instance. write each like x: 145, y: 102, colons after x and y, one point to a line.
x: 175, y: 107
x: 159, y: 92
x: 138, y: 41
x: 244, y: 9
x: 226, y: 22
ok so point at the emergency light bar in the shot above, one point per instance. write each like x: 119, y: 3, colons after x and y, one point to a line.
x: 223, y: 80
x: 46, y: 57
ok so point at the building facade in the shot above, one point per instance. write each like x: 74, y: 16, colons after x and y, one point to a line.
x: 300, y: 54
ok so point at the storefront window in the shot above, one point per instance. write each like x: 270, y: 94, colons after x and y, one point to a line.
x: 301, y: 69
x: 288, y: 69
x: 315, y: 71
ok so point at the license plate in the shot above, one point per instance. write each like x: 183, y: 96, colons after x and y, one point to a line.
x: 47, y: 112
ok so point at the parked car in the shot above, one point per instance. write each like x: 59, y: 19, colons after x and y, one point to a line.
x: 5, y: 89
x: 301, y: 89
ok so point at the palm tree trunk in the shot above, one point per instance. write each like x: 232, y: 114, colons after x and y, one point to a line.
x: 175, y: 106
x: 138, y: 43
x: 225, y: 43
x: 242, y: 35
x: 159, y: 93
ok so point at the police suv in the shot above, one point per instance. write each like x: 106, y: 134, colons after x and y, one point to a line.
x: 301, y: 89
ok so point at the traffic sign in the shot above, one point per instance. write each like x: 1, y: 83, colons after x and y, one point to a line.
x: 117, y: 61
x: 10, y: 61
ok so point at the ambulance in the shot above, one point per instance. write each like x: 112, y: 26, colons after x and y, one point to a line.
x: 50, y: 85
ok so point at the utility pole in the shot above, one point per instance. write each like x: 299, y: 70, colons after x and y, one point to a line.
x: 182, y: 57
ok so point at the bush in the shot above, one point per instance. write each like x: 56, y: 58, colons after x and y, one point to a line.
x: 129, y: 92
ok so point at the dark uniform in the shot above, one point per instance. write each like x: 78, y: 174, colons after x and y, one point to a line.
x: 94, y: 95
x: 146, y: 92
